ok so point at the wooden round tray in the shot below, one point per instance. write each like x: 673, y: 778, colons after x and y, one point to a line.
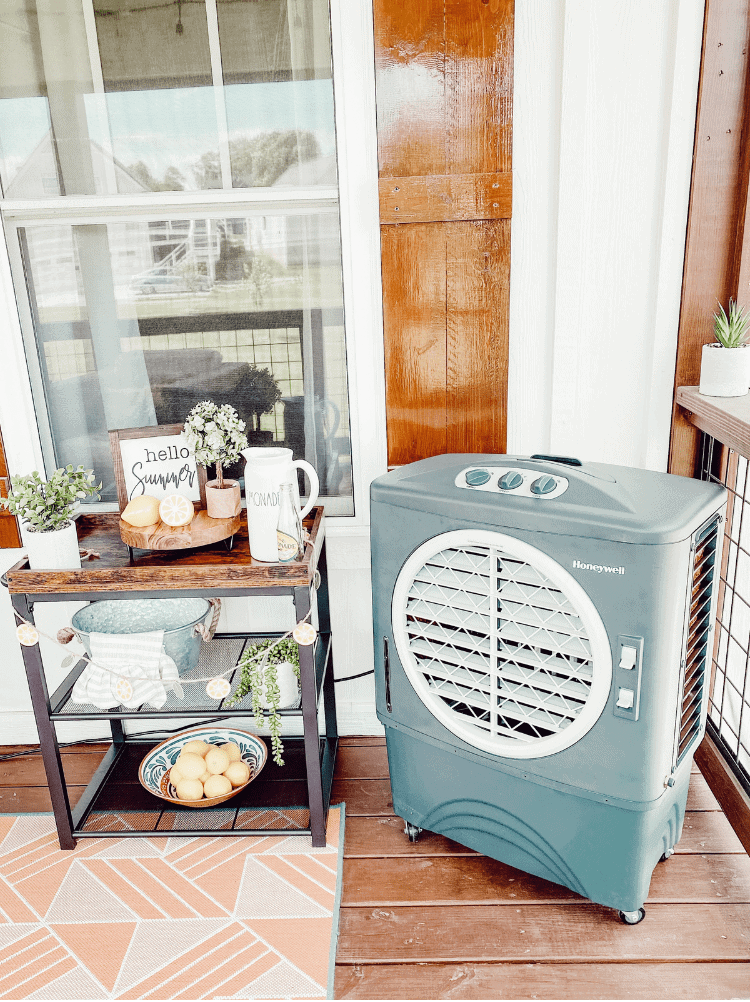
x: 200, y: 532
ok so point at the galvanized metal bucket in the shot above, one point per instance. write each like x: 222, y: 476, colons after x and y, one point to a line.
x: 180, y: 618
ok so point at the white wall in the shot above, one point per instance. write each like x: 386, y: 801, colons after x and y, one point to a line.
x: 604, y: 112
x: 603, y: 122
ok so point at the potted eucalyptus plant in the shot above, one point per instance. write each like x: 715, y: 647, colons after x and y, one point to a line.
x: 46, y: 508
x: 273, y: 683
x: 217, y: 435
x: 725, y: 363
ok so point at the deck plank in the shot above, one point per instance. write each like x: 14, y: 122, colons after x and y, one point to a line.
x: 362, y: 762
x: 543, y: 981
x: 480, y: 880
x: 370, y: 797
x: 557, y: 933
x: 703, y: 832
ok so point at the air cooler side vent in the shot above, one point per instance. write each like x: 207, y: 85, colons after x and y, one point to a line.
x: 698, y: 637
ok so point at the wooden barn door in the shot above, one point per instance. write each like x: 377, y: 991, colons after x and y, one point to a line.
x: 444, y: 84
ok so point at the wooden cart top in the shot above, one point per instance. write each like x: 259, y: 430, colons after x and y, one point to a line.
x: 159, y: 570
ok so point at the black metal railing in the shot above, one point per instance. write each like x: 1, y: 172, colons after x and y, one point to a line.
x: 729, y: 695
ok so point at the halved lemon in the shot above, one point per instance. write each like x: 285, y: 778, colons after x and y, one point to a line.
x: 141, y: 511
x: 176, y: 510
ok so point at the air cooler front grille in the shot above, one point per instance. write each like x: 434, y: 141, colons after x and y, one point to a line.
x: 494, y: 639
x: 698, y: 636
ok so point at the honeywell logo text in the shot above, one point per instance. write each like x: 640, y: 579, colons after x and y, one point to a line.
x: 599, y: 568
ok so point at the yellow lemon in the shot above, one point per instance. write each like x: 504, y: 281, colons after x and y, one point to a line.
x: 189, y: 789
x: 232, y: 750
x: 196, y: 748
x: 237, y: 773
x: 217, y: 786
x: 191, y: 766
x: 175, y: 776
x: 216, y: 761
x: 141, y: 511
x: 176, y: 510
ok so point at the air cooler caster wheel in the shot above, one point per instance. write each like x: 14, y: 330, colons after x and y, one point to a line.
x: 632, y: 918
x: 412, y: 831
x: 665, y: 855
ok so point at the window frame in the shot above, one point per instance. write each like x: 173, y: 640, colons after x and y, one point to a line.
x: 357, y: 200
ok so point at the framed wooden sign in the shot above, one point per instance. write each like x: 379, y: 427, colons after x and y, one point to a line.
x: 156, y: 461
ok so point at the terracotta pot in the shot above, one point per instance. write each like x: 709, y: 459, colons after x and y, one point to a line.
x: 223, y: 502
x: 54, y: 550
x: 725, y: 372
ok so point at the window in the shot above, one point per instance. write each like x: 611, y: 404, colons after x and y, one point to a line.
x: 171, y: 205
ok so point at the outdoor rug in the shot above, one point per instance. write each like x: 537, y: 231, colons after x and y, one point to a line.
x: 250, y: 917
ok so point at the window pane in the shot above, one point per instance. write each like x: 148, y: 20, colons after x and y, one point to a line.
x: 276, y: 58
x: 136, y: 322
x: 132, y: 99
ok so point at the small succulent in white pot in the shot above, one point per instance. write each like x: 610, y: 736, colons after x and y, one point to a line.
x: 725, y: 364
x: 216, y: 436
x: 46, y: 509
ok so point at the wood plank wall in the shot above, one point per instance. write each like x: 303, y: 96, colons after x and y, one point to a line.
x: 9, y: 535
x: 717, y: 251
x: 444, y: 86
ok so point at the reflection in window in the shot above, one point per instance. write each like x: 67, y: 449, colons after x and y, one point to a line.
x: 244, y: 310
x: 148, y: 102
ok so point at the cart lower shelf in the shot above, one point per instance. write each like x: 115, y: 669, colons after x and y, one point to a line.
x: 115, y: 803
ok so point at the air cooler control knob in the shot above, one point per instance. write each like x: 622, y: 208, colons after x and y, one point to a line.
x: 475, y: 478
x: 510, y: 480
x: 543, y: 485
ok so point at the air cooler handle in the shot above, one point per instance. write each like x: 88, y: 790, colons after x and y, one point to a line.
x: 568, y: 460
x: 387, y: 673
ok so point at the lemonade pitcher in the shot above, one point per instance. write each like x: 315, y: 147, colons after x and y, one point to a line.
x: 265, y: 470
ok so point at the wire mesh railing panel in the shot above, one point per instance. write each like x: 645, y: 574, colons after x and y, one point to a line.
x: 729, y: 697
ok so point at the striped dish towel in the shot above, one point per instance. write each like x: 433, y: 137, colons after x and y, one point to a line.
x: 139, y: 657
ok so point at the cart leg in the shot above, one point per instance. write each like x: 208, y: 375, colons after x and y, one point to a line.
x: 310, y: 724
x: 324, y: 621
x: 32, y: 659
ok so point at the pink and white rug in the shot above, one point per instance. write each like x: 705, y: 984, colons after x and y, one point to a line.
x: 250, y: 917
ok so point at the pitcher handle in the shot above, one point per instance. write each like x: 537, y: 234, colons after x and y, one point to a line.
x: 302, y: 464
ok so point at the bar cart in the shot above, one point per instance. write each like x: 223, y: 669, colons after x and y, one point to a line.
x: 292, y: 799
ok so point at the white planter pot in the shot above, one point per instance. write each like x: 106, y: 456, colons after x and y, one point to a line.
x: 55, y: 550
x: 287, y: 682
x: 725, y: 372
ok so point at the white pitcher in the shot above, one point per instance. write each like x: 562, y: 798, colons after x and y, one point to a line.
x: 265, y: 470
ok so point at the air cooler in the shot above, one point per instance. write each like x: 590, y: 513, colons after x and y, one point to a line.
x: 543, y: 639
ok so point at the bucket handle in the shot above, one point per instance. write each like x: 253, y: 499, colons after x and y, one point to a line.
x: 200, y: 628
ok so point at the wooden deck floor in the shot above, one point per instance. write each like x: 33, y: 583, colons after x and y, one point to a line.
x: 435, y: 920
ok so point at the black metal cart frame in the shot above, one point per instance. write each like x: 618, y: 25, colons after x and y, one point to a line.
x: 311, y: 758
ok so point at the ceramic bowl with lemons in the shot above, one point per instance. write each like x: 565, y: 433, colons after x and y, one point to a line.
x: 203, y: 766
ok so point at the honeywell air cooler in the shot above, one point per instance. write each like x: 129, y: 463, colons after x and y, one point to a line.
x: 543, y: 637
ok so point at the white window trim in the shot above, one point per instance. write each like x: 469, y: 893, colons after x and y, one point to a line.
x: 354, y: 95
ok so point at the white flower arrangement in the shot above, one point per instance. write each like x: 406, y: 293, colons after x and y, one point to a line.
x: 215, y: 435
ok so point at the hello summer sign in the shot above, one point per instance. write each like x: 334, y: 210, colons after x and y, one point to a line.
x: 158, y: 467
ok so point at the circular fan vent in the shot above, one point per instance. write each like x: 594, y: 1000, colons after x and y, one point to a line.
x: 500, y: 643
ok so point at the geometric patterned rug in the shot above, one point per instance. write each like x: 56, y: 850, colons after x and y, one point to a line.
x: 252, y: 917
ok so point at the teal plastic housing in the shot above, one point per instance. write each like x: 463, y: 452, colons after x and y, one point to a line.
x: 596, y: 816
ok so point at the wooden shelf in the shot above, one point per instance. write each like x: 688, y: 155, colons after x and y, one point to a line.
x: 726, y: 419
x: 210, y: 568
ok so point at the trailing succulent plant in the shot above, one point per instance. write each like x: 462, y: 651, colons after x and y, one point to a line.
x: 731, y: 331
x: 46, y: 505
x: 259, y: 671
